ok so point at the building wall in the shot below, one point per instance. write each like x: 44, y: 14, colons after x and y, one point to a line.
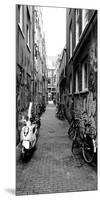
x: 84, y: 51
x: 62, y: 78
x: 44, y: 73
x: 24, y: 63
x: 87, y: 101
x: 30, y: 61
x: 40, y: 58
x: 57, y: 78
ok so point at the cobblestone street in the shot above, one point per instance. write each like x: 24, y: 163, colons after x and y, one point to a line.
x: 52, y: 168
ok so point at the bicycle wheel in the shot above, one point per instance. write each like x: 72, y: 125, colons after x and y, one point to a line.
x: 75, y: 147
x: 88, y: 150
x: 76, y: 142
x: 71, y: 130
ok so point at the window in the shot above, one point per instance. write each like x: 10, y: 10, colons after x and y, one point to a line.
x: 54, y: 89
x: 76, y: 81
x: 21, y: 16
x: 70, y: 85
x: 28, y: 28
x: 84, y: 77
x: 49, y: 90
x: 54, y: 79
x: 85, y: 104
x: 28, y: 35
x: 36, y: 50
x: 28, y: 81
x: 70, y: 40
x: 84, y: 18
x: 49, y: 80
x: 35, y: 16
x: 77, y: 26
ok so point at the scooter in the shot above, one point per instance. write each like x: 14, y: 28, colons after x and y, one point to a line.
x: 28, y: 138
x: 29, y: 133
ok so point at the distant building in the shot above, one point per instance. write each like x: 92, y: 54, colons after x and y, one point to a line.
x: 51, y: 84
x: 51, y: 67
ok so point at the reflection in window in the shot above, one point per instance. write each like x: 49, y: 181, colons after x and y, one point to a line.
x: 77, y: 26
x: 84, y: 18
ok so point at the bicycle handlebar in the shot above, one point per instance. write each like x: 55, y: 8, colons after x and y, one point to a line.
x: 84, y: 113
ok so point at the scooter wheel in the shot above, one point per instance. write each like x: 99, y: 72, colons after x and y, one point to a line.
x: 23, y: 153
x: 23, y: 156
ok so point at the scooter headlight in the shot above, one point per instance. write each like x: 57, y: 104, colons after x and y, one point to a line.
x: 25, y: 144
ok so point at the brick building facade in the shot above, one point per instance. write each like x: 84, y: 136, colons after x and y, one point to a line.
x: 81, y: 65
x: 44, y: 75
x: 30, y: 61
x: 40, y: 66
x: 24, y: 62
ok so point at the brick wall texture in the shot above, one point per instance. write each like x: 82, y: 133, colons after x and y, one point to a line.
x: 83, y: 101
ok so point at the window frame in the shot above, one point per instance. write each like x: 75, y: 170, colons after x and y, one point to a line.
x: 28, y: 30
x: 70, y: 41
x: 84, y: 79
x: 49, y: 80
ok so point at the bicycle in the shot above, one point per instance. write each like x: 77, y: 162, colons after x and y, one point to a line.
x: 74, y: 124
x: 59, y: 112
x: 85, y: 140
x: 90, y: 145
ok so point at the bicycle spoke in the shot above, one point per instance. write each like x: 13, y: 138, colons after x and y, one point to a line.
x: 88, y: 150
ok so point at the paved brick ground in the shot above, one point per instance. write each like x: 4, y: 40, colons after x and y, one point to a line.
x: 52, y: 168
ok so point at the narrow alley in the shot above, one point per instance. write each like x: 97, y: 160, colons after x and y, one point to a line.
x: 53, y: 168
